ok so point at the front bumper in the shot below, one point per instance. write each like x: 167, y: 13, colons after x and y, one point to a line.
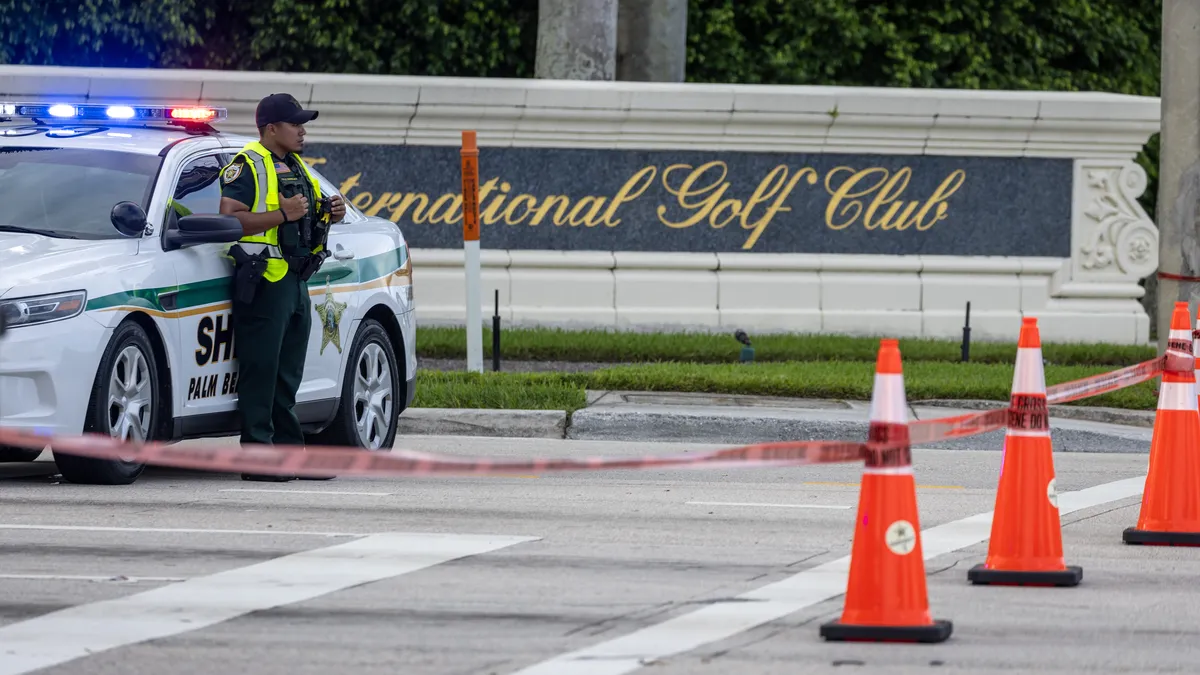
x: 47, y: 372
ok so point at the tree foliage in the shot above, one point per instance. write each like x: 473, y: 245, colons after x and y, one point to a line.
x: 468, y: 38
x: 1099, y: 45
x: 103, y: 33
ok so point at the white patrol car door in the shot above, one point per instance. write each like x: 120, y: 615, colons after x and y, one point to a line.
x: 202, y: 301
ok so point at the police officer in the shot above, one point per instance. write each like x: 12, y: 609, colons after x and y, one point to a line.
x: 271, y: 191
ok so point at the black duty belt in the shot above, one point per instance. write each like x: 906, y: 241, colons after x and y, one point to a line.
x: 296, y: 263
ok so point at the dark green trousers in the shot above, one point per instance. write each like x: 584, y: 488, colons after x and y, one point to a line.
x: 272, y: 342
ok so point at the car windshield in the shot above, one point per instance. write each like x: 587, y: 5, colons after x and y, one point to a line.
x: 69, y: 192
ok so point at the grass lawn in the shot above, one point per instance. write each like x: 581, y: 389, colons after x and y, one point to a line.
x: 542, y: 344
x: 926, y: 379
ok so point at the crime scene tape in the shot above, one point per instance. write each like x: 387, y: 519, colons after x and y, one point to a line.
x: 322, y: 460
x: 317, y: 461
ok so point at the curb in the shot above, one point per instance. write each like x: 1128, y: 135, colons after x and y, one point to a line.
x: 483, y: 422
x: 716, y: 427
x: 743, y: 426
x: 1122, y: 416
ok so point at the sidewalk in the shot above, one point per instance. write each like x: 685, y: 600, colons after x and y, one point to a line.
x: 732, y: 419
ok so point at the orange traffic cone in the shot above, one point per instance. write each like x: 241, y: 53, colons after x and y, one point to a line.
x: 1196, y: 350
x: 886, y: 600
x: 1170, y: 514
x: 1025, y: 548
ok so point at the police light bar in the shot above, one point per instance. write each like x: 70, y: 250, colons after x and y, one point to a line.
x: 90, y: 112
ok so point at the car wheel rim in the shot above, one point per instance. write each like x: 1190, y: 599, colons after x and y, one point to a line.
x: 130, y: 397
x: 372, y: 396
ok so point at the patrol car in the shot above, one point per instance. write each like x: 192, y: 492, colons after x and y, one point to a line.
x: 115, y: 290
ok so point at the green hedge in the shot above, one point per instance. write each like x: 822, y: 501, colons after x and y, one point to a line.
x: 1109, y: 45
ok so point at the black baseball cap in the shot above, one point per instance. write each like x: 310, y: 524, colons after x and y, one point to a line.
x: 282, y: 108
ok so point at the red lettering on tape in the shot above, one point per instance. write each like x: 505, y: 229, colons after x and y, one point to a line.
x: 1184, y: 346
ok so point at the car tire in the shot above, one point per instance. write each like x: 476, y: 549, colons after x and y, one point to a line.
x: 11, y: 454
x: 371, y: 394
x: 127, y: 367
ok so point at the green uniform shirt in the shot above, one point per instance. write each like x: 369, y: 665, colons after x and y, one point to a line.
x: 292, y: 180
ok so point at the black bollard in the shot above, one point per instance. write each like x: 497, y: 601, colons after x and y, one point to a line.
x: 966, y: 340
x: 496, y: 335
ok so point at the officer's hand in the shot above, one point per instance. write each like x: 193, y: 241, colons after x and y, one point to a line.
x: 294, y: 207
x: 337, y: 208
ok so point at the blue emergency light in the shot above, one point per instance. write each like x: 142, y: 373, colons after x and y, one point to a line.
x: 91, y: 112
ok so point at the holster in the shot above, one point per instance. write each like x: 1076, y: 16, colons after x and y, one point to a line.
x: 249, y: 271
x: 310, y: 265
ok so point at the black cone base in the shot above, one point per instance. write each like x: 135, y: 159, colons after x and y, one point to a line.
x: 1135, y: 536
x: 836, y: 631
x: 981, y: 575
x: 267, y: 478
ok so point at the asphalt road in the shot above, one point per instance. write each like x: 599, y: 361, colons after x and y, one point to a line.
x: 657, y: 572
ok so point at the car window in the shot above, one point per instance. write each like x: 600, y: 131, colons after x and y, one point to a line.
x: 198, y: 190
x: 70, y: 192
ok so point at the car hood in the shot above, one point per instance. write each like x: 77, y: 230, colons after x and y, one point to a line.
x: 31, y: 260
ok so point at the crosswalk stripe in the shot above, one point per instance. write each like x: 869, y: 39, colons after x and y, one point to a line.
x: 84, y: 630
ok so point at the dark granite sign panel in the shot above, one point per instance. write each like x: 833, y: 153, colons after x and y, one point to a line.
x: 634, y: 200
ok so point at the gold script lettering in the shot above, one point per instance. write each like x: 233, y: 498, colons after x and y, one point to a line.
x: 843, y: 192
x: 873, y: 197
x: 626, y: 194
x: 885, y: 192
x: 948, y: 187
x: 761, y: 194
x: 709, y: 206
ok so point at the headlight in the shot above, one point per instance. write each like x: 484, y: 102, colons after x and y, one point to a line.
x: 42, y: 309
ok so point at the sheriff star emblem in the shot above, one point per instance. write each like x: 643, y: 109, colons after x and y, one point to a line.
x: 231, y: 173
x: 330, y: 313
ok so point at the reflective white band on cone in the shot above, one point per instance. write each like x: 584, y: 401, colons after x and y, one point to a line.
x: 1030, y: 376
x: 1027, y: 433
x: 888, y: 470
x: 887, y: 401
x: 1177, y: 396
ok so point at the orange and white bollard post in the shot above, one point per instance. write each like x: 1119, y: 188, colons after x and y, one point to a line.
x: 470, y: 209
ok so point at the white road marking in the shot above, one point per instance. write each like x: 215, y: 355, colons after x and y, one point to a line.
x: 175, y: 530
x: 114, y: 578
x: 690, y: 631
x: 782, y: 506
x: 310, y: 492
x: 69, y: 634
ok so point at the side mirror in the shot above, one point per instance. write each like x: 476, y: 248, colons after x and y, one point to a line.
x: 203, y: 229
x: 129, y: 219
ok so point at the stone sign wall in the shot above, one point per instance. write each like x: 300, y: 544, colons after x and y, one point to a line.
x: 648, y: 205
x: 689, y: 201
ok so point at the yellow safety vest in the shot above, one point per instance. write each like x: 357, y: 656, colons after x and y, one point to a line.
x: 266, y: 198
